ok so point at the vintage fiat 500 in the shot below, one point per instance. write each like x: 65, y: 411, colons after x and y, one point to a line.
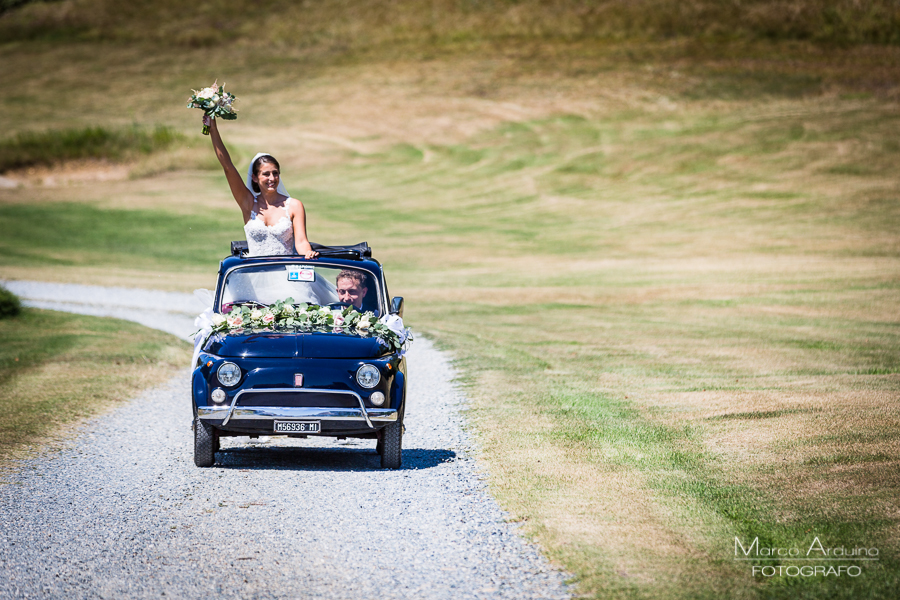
x: 302, y: 348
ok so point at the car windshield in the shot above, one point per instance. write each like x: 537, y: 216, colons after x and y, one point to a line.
x: 323, y: 285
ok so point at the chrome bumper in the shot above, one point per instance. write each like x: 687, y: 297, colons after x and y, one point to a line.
x: 226, y: 413
x: 371, y: 415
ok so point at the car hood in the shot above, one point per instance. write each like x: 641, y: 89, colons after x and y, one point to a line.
x: 270, y: 344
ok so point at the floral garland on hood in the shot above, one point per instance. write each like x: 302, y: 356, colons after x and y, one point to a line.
x: 285, y: 315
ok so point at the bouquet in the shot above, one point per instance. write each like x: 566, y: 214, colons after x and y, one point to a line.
x: 215, y: 102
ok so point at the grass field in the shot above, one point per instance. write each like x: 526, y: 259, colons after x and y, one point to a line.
x: 56, y: 369
x: 669, y: 270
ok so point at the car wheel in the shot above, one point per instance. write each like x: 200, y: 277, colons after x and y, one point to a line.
x: 204, y: 440
x: 392, y: 446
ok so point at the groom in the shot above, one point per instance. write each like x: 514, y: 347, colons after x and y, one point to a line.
x: 351, y: 287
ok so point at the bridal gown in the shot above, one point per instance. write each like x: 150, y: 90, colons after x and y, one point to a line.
x: 275, y: 240
x: 266, y: 240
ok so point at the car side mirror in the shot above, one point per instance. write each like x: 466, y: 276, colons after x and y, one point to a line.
x: 397, y: 306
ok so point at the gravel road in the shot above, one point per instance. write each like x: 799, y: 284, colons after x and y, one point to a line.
x: 142, y: 306
x: 121, y: 512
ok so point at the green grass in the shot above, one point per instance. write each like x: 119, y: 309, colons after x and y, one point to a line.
x: 687, y: 475
x: 56, y: 369
x: 28, y: 149
x: 139, y: 239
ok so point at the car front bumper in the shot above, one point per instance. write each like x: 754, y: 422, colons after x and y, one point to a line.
x: 226, y: 413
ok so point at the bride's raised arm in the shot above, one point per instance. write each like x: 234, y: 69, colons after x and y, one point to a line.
x: 241, y: 194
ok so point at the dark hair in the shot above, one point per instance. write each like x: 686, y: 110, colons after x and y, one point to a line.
x: 265, y: 158
x: 353, y: 275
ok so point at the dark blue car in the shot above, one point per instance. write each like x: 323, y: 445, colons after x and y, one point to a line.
x: 301, y: 348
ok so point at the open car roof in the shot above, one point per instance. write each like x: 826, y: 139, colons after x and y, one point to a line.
x: 357, y: 251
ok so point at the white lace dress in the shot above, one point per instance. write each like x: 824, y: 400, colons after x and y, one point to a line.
x: 265, y: 240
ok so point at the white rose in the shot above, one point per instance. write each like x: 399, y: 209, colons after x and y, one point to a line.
x: 288, y: 309
x: 255, y: 314
x: 217, y: 319
x: 363, y: 324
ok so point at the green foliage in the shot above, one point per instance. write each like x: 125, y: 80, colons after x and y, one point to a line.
x: 9, y: 303
x: 50, y: 147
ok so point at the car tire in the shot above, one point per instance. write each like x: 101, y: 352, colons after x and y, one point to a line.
x: 204, y: 436
x: 392, y: 446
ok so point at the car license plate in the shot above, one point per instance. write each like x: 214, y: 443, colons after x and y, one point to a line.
x: 297, y: 426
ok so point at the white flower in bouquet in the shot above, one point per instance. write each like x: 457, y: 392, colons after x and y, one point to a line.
x: 214, y: 101
x: 217, y: 319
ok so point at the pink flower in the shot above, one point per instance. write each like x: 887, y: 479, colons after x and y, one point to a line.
x: 235, y: 321
x: 268, y: 318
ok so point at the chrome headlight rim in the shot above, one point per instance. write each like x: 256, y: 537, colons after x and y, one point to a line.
x: 368, y: 376
x: 225, y: 379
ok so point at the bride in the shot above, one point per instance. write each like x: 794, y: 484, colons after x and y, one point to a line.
x: 274, y: 222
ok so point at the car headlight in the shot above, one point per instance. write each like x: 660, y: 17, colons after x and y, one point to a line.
x: 368, y: 376
x: 229, y: 374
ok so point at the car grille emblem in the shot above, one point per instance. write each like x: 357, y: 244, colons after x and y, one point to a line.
x: 298, y: 379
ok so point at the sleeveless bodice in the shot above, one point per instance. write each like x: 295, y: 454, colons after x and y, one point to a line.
x: 263, y: 240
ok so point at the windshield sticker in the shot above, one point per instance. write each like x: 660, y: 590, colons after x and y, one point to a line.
x: 301, y: 274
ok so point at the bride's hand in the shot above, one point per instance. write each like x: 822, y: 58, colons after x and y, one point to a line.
x: 311, y: 254
x: 207, y: 121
